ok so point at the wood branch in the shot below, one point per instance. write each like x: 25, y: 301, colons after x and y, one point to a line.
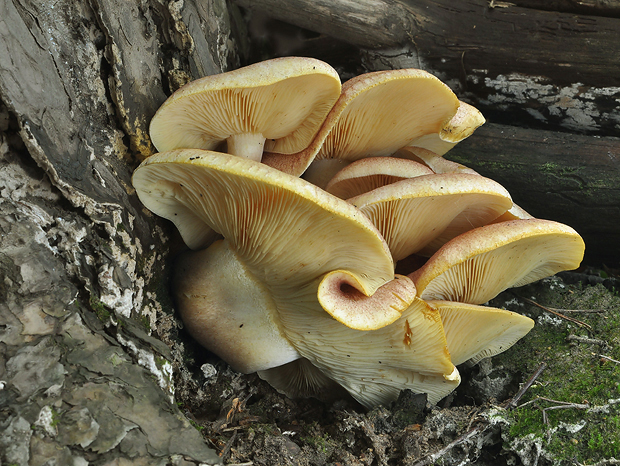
x: 565, y: 177
x: 546, y: 68
x: 609, y: 8
x: 449, y: 35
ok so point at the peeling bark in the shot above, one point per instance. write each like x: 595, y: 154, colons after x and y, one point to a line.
x: 85, y: 375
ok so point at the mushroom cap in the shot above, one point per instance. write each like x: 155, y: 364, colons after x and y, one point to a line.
x: 477, y: 265
x: 440, y: 165
x: 432, y: 160
x: 380, y: 112
x: 229, y: 311
x: 477, y: 332
x: 339, y: 294
x: 284, y: 99
x: 288, y: 233
x: 514, y: 213
x: 374, y: 366
x: 466, y: 120
x: 373, y: 172
x: 412, y: 213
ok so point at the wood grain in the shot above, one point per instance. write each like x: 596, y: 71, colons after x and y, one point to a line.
x: 565, y: 177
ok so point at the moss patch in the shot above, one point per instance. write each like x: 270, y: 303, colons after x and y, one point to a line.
x: 582, y: 377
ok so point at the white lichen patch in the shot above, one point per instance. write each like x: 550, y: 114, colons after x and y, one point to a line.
x: 113, y: 296
x: 514, y: 302
x: 570, y: 428
x: 122, y: 294
x: 496, y: 416
x: 575, y: 106
x: 151, y: 310
x: 160, y: 368
x: 549, y: 319
x: 209, y: 372
x: 47, y: 421
x: 553, y: 283
x: 530, y: 449
x: 604, y: 408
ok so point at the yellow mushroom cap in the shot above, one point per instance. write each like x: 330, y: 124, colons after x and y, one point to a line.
x: 461, y: 126
x: 288, y: 233
x: 373, y: 172
x: 476, y: 332
x: 477, y: 265
x: 377, y: 114
x: 380, y: 112
x: 438, y: 164
x: 285, y: 100
x: 412, y: 213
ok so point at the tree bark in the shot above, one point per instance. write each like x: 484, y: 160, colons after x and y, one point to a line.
x: 85, y: 375
x: 569, y: 178
x: 547, y: 69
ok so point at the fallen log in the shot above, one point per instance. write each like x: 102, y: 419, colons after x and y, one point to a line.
x: 570, y: 178
x: 551, y: 69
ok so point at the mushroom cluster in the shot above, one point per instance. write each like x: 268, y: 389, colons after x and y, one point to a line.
x: 296, y: 278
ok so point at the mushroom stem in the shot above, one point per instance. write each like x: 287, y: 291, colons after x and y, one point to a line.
x: 248, y: 145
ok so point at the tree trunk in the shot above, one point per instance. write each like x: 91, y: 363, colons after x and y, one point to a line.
x: 87, y: 365
x: 85, y: 375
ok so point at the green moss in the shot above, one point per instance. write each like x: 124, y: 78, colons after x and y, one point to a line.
x: 102, y: 312
x: 322, y: 443
x: 549, y: 167
x: 268, y: 429
x: 145, y: 321
x: 316, y: 438
x: 576, y: 373
x: 55, y: 417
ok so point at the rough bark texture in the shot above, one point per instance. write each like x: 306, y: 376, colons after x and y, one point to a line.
x: 84, y: 376
x: 90, y: 359
x: 556, y: 69
x: 570, y: 178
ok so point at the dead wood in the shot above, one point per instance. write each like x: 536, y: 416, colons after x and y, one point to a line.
x: 551, y: 69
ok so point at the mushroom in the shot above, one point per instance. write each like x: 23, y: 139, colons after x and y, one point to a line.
x: 412, y: 213
x: 460, y: 127
x: 245, y: 333
x: 477, y: 332
x: 373, y: 172
x: 432, y: 160
x: 286, y: 233
x: 477, y: 265
x: 438, y: 164
x: 254, y: 297
x: 283, y: 100
x: 372, y: 366
x: 377, y: 114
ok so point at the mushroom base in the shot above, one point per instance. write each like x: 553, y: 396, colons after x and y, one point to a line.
x: 228, y: 311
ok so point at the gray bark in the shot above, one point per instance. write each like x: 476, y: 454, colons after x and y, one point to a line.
x: 84, y: 374
x: 548, y: 69
x: 569, y: 178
